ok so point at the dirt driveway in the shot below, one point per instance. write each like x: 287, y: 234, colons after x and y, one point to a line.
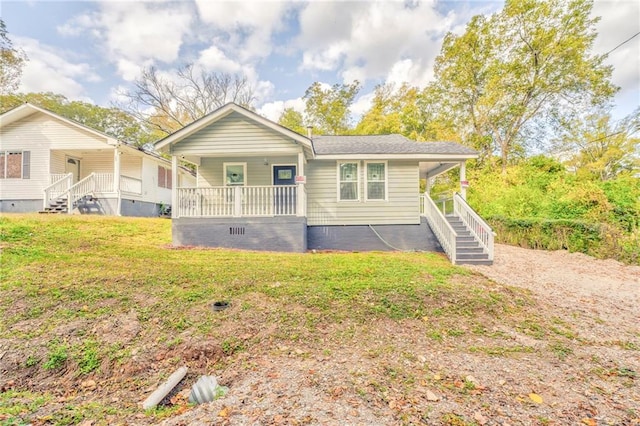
x: 573, y: 282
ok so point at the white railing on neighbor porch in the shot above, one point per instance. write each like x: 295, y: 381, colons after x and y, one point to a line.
x: 478, y: 227
x: 444, y: 232
x: 130, y: 185
x: 238, y: 201
x: 58, y: 187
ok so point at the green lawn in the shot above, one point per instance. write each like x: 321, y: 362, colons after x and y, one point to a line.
x: 107, y: 302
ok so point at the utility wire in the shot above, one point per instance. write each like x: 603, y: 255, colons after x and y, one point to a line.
x: 626, y: 41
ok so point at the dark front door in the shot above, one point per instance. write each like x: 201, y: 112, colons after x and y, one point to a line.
x: 284, y: 198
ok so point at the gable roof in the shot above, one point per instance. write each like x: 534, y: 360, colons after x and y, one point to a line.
x: 27, y: 109
x: 224, y: 111
x: 387, y: 145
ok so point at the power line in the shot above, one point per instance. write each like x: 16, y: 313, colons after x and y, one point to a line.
x: 626, y: 41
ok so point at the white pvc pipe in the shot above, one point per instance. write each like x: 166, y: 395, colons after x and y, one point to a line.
x: 164, y: 389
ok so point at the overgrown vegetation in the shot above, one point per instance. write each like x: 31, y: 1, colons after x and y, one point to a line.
x: 541, y: 205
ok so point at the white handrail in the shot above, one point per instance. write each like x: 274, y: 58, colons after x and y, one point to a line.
x: 80, y: 189
x: 442, y: 229
x: 60, y: 185
x: 238, y: 201
x: 478, y: 227
x: 103, y: 182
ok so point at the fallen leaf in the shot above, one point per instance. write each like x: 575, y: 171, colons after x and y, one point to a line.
x: 478, y: 417
x: 432, y: 396
x: 535, y: 398
x: 225, y: 412
x: 589, y: 422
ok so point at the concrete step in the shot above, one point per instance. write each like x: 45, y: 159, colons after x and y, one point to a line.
x: 474, y: 262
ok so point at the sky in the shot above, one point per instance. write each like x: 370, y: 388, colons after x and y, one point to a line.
x: 93, y: 51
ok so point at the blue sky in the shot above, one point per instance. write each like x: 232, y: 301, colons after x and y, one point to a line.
x: 91, y: 51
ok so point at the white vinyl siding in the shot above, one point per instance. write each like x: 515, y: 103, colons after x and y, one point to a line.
x: 235, y: 135
x: 401, y: 207
x: 211, y: 170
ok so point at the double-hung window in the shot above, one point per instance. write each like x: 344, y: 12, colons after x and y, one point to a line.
x: 15, y: 164
x: 235, y: 174
x: 348, y: 181
x: 376, y: 181
x: 164, y: 177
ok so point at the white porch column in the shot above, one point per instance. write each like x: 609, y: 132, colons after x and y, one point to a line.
x: 463, y: 180
x: 302, y: 194
x: 116, y: 180
x: 174, y: 186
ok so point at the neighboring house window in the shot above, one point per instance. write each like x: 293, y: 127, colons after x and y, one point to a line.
x: 348, y: 181
x: 376, y: 182
x: 164, y: 177
x: 235, y: 174
x: 15, y: 164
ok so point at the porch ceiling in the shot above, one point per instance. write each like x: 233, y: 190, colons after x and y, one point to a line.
x: 435, y: 168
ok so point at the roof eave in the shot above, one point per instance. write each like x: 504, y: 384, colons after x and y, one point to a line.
x: 414, y: 156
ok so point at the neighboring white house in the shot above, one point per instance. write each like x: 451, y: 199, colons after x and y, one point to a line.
x: 262, y: 186
x: 48, y: 162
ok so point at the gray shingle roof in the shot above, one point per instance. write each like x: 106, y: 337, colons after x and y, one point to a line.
x: 384, y: 144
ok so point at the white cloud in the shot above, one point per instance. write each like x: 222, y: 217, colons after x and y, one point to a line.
x: 366, y: 41
x: 249, y: 25
x: 362, y: 104
x: 273, y: 110
x: 49, y: 70
x: 132, y: 33
x: 615, y: 26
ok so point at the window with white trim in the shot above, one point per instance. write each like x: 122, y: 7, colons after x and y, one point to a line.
x: 15, y: 164
x: 348, y: 181
x: 235, y: 174
x: 376, y: 180
x: 164, y: 177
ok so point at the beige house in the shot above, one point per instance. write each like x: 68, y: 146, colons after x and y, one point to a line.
x: 49, y: 163
x: 262, y: 186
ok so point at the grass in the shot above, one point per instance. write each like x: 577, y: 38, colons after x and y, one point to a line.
x: 69, y: 282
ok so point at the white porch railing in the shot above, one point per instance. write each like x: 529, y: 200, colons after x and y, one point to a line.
x: 103, y: 182
x: 238, y: 201
x: 60, y: 184
x: 478, y: 227
x: 130, y: 185
x: 444, y: 232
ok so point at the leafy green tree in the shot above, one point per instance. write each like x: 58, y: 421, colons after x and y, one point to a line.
x: 111, y: 121
x: 328, y: 109
x: 600, y: 149
x: 409, y: 111
x: 11, y: 62
x: 292, y: 120
x: 528, y: 63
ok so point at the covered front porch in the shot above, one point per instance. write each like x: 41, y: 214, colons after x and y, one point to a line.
x: 78, y: 175
x: 244, y: 187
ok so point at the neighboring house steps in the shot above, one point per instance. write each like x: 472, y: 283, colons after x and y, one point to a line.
x: 469, y: 251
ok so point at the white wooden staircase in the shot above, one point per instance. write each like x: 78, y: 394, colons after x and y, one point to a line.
x: 464, y: 236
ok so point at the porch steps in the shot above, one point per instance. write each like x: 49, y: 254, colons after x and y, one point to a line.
x: 468, y: 249
x: 57, y: 206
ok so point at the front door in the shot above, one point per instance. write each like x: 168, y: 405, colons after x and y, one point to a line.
x: 72, y: 166
x: 285, y: 198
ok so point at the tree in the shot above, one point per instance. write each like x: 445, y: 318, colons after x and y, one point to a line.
x: 600, y: 149
x: 11, y: 62
x: 292, y: 120
x: 409, y: 111
x: 525, y: 65
x: 112, y: 121
x: 328, y: 109
x: 177, y: 101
